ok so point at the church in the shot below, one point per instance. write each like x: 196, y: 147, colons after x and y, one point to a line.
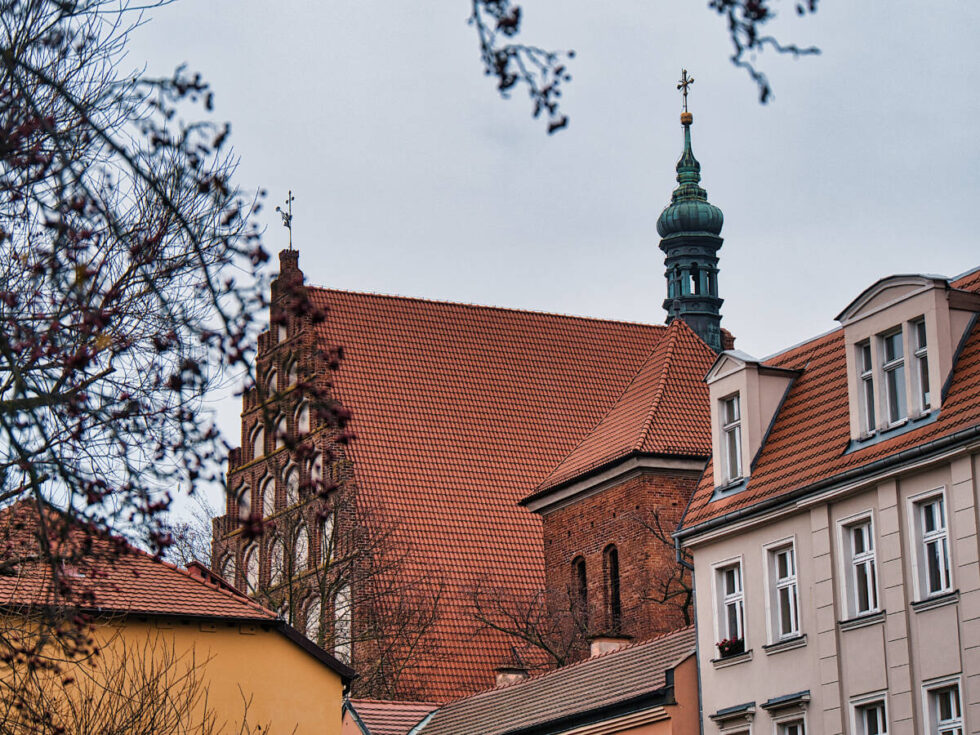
x: 513, y: 479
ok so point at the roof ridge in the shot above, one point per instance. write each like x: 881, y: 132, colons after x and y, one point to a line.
x: 492, y: 307
x: 571, y: 666
x: 670, y: 338
x: 395, y: 702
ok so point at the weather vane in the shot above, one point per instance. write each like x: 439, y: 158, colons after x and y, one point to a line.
x: 287, y: 215
x: 684, y: 83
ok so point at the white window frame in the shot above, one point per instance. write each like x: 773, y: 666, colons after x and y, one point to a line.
x: 858, y: 704
x: 774, y: 584
x: 920, y: 365
x: 932, y: 726
x: 919, y: 539
x: 848, y: 564
x: 892, y: 366
x: 866, y: 385
x: 729, y: 428
x: 797, y: 718
x: 722, y: 600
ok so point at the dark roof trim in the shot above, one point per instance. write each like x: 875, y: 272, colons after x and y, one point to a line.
x: 733, y: 711
x: 787, y: 700
x: 609, y: 464
x: 921, y: 451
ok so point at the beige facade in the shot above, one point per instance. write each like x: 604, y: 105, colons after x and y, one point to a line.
x: 837, y: 578
x: 844, y: 659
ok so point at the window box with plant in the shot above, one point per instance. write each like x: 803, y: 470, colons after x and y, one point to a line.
x: 731, y: 647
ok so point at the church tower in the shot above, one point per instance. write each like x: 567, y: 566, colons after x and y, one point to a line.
x: 689, y: 228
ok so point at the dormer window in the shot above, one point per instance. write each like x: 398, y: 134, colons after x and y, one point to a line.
x: 731, y: 429
x: 893, y: 367
x: 867, y: 403
x: 921, y: 365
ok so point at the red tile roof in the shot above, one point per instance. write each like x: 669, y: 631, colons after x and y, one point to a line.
x: 808, y: 439
x: 664, y: 410
x: 598, y: 682
x: 108, y: 575
x: 460, y: 411
x: 389, y: 718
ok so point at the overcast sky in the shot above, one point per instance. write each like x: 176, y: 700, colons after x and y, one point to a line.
x: 413, y: 177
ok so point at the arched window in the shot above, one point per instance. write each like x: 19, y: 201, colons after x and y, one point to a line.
x: 326, y: 539
x: 258, y: 441
x: 280, y: 432
x: 244, y: 502
x: 227, y: 569
x: 303, y: 418
x: 272, y: 382
x: 580, y: 588
x: 311, y: 625
x: 342, y: 624
x: 251, y: 568
x: 276, y: 557
x: 614, y: 608
x: 292, y: 372
x: 268, y: 497
x: 302, y: 549
x: 316, y: 472
x: 291, y: 481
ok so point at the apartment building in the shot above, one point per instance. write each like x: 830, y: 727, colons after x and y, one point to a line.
x: 834, y: 533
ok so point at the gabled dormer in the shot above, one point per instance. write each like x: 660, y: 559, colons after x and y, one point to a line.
x: 901, y: 337
x: 744, y: 397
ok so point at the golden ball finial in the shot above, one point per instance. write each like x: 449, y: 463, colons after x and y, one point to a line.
x: 686, y: 118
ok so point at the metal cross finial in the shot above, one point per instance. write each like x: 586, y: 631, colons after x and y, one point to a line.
x: 287, y: 216
x: 685, y: 82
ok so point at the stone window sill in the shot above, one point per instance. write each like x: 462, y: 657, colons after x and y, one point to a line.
x: 787, y: 644
x: 950, y: 598
x: 862, y: 621
x: 738, y: 658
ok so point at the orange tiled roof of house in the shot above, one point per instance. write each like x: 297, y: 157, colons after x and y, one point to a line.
x: 664, y: 410
x: 808, y: 438
x: 594, y: 684
x: 377, y: 717
x: 460, y: 411
x: 107, y: 575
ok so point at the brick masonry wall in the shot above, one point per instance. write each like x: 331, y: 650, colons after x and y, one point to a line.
x: 616, y: 516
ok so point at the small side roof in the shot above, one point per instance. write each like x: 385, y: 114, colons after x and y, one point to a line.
x: 380, y: 717
x: 591, y: 686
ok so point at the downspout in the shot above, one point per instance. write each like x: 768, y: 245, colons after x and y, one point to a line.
x: 679, y: 555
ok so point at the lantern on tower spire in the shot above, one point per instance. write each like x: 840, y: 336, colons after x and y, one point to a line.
x: 689, y: 228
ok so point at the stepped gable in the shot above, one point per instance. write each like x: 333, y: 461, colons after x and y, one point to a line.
x: 460, y: 411
x: 808, y: 438
x: 663, y: 411
x: 377, y: 717
x: 596, y: 683
x: 111, y: 576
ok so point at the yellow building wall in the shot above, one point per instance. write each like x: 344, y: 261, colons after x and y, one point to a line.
x: 287, y: 689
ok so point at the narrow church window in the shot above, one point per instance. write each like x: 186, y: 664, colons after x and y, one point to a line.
x: 244, y: 502
x: 280, y: 432
x: 272, y: 382
x: 251, y: 568
x: 228, y: 569
x: 258, y: 441
x: 292, y: 372
x: 303, y: 418
x: 580, y: 589
x: 342, y: 627
x: 276, y: 562
x: 316, y: 471
x: 695, y: 280
x: 326, y: 538
x: 302, y: 548
x: 614, y: 609
x: 268, y: 497
x: 292, y: 485
x: 312, y: 622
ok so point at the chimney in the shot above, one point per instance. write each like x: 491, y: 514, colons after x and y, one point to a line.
x: 509, y: 674
x: 599, y: 644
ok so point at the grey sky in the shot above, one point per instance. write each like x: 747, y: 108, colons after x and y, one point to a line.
x: 412, y: 177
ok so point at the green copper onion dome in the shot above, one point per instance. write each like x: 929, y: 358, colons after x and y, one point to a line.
x: 689, y: 210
